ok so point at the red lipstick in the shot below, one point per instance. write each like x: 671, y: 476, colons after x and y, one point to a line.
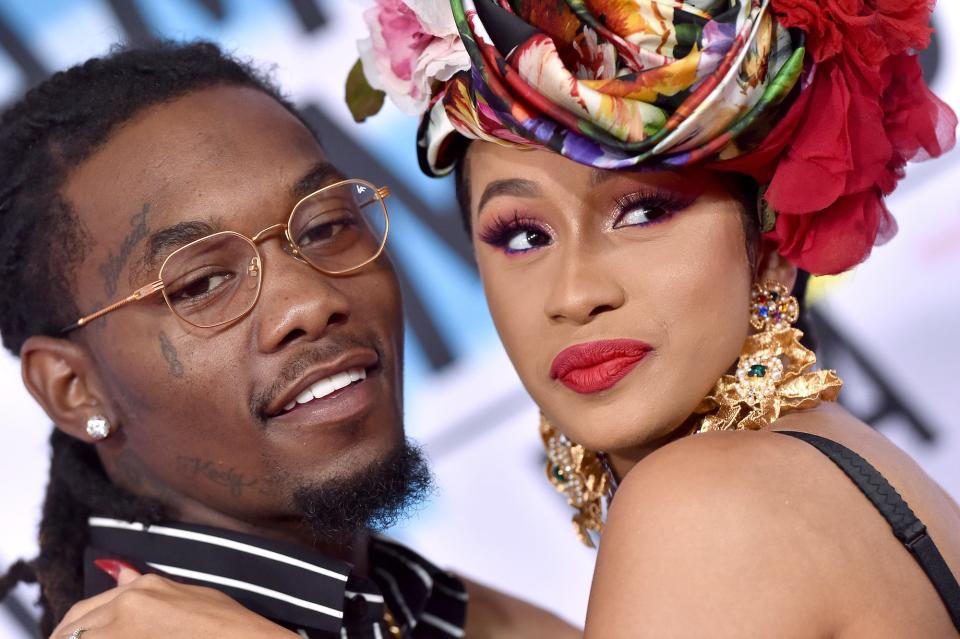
x: 596, y: 366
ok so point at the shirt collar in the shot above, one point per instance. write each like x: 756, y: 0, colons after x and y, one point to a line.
x: 299, y: 588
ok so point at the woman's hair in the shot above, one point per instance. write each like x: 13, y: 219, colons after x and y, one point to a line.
x: 48, y: 133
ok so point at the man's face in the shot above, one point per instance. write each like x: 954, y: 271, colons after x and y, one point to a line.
x: 199, y: 411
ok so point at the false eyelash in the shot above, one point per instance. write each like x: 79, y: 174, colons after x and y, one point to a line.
x: 656, y: 198
x: 499, y: 232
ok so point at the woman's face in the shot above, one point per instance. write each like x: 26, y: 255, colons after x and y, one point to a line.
x: 621, y: 297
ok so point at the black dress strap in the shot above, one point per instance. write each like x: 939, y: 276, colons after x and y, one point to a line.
x: 911, y: 532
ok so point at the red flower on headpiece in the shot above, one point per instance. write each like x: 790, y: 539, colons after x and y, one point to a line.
x: 844, y: 143
x: 867, y: 30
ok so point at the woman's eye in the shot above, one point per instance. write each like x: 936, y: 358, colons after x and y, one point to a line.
x: 525, y: 240
x: 639, y: 215
x: 517, y: 235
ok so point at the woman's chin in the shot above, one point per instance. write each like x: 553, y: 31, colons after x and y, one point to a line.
x: 619, y: 430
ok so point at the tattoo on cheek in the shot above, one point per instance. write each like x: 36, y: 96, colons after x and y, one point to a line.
x: 170, y: 354
x: 112, y: 267
x: 229, y: 478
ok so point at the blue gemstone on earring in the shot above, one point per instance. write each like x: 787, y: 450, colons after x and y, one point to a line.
x: 764, y: 311
x: 757, y: 370
x: 558, y: 474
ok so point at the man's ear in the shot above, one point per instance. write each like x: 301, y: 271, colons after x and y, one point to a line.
x: 58, y: 374
x: 773, y: 266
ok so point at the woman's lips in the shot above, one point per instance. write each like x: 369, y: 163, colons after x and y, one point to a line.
x: 596, y: 366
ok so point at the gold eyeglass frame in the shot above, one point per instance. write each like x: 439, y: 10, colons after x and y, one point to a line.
x: 157, y: 286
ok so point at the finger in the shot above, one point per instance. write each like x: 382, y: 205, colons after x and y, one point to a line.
x: 92, y: 622
x: 128, y: 574
x: 113, y: 567
x: 82, y: 608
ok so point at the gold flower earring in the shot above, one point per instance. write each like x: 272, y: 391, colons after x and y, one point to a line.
x: 773, y: 375
x: 581, y: 476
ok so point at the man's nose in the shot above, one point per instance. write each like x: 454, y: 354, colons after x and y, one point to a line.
x: 297, y: 302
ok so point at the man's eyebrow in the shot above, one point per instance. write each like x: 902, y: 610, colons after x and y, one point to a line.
x: 513, y: 186
x: 320, y: 175
x: 162, y: 243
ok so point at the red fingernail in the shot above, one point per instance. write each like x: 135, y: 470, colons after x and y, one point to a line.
x: 113, y: 567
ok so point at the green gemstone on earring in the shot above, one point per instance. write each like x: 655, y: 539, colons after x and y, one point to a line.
x: 558, y: 474
x: 757, y: 370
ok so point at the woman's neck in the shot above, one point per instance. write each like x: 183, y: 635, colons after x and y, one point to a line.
x: 622, y: 461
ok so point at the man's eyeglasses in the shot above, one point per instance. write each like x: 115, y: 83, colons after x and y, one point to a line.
x: 216, y: 279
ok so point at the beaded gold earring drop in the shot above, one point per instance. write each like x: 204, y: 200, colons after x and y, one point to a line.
x: 773, y: 375
x: 579, y: 474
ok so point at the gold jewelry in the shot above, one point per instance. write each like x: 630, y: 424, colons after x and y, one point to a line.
x: 579, y: 474
x: 773, y: 375
x: 395, y: 631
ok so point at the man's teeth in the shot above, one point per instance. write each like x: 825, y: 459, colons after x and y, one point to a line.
x: 328, y: 385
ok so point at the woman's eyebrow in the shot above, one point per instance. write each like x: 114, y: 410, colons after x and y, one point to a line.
x: 515, y: 187
x: 599, y: 176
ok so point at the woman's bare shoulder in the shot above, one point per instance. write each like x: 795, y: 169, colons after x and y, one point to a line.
x: 714, y: 530
x: 700, y: 539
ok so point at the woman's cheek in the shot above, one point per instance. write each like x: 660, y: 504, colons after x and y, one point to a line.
x: 517, y: 316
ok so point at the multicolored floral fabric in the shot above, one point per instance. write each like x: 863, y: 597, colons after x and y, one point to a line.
x: 614, y: 83
x: 822, y: 102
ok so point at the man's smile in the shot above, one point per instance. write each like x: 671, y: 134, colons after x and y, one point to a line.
x: 327, y: 386
x: 329, y: 391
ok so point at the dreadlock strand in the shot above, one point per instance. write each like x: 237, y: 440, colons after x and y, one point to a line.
x: 53, y: 128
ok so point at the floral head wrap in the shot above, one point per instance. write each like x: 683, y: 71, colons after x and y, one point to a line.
x: 821, y: 101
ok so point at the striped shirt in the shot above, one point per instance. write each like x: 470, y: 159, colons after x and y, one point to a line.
x: 305, y: 591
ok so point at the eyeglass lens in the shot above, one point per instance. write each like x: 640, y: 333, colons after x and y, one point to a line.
x: 217, y: 279
x: 340, y: 227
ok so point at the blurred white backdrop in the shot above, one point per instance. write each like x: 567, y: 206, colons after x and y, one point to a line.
x: 889, y: 327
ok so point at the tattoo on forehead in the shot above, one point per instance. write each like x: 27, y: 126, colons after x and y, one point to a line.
x: 229, y: 478
x: 113, y: 266
x: 170, y: 354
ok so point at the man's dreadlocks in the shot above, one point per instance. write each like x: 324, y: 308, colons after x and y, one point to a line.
x: 49, y: 132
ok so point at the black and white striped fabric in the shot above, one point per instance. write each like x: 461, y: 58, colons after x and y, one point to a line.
x: 300, y: 589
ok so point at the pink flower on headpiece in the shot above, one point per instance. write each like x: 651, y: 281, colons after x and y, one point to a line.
x: 412, y: 45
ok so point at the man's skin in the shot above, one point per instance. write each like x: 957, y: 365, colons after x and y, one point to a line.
x: 194, y: 409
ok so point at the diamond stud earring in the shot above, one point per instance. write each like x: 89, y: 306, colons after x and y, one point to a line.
x: 98, y: 427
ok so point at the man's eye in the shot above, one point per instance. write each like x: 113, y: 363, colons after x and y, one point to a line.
x: 202, y: 286
x: 325, y: 231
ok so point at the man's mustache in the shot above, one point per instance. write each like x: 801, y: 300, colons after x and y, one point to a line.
x: 298, y: 364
